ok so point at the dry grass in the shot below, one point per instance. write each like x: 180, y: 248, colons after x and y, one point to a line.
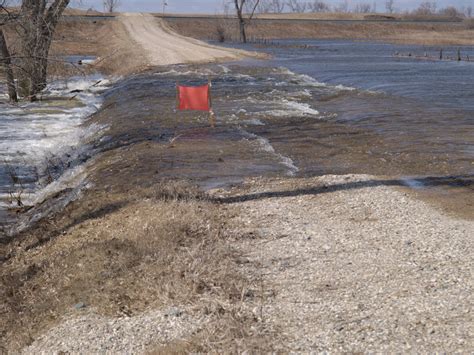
x: 469, y: 24
x: 409, y: 33
x: 105, y: 39
x: 72, y: 38
x: 118, y: 53
x: 314, y: 16
x: 164, y: 246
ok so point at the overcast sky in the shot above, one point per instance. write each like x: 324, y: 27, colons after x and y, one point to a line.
x: 213, y: 6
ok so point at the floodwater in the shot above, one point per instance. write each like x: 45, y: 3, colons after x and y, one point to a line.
x: 315, y: 108
x: 42, y: 140
x: 406, y: 116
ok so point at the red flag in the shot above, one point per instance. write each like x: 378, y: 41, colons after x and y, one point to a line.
x: 194, y: 98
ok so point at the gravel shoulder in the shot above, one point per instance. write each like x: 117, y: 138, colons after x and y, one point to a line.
x: 352, y: 266
x: 333, y: 263
x: 94, y: 334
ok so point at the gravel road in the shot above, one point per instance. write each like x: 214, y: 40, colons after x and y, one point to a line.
x: 350, y: 265
x: 162, y: 46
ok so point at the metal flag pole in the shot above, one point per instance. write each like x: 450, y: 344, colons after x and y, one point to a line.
x: 212, y: 117
x: 177, y: 95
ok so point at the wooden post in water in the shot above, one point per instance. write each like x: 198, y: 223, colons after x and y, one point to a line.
x: 459, y: 54
x: 441, y: 54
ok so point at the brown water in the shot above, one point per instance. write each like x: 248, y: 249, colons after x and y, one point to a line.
x: 275, y: 122
x: 303, y: 127
x: 341, y: 108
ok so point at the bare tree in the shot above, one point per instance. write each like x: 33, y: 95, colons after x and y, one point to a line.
x: 35, y: 23
x: 263, y: 6
x: 240, y: 6
x: 297, y: 6
x: 363, y: 8
x: 343, y: 7
x: 319, y: 6
x: 267, y: 6
x: 390, y: 6
x: 426, y: 8
x: 278, y: 6
x: 469, y: 11
x: 111, y: 5
x: 5, y: 57
x: 450, y: 11
x: 6, y: 66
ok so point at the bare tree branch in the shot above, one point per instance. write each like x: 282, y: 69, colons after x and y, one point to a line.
x: 111, y: 5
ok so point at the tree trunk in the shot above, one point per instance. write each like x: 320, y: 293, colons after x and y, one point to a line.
x: 239, y: 8
x: 243, y: 34
x: 37, y: 25
x: 5, y: 62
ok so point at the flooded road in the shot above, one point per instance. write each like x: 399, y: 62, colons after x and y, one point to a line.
x: 420, y: 112
x: 289, y: 123
x: 316, y: 108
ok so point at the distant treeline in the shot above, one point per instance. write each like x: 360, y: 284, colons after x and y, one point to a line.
x: 426, y: 8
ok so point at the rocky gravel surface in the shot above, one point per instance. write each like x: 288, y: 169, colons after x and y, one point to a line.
x: 94, y: 334
x: 345, y: 264
x: 351, y: 265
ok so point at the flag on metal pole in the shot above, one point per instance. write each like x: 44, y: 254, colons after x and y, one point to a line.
x: 196, y: 98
